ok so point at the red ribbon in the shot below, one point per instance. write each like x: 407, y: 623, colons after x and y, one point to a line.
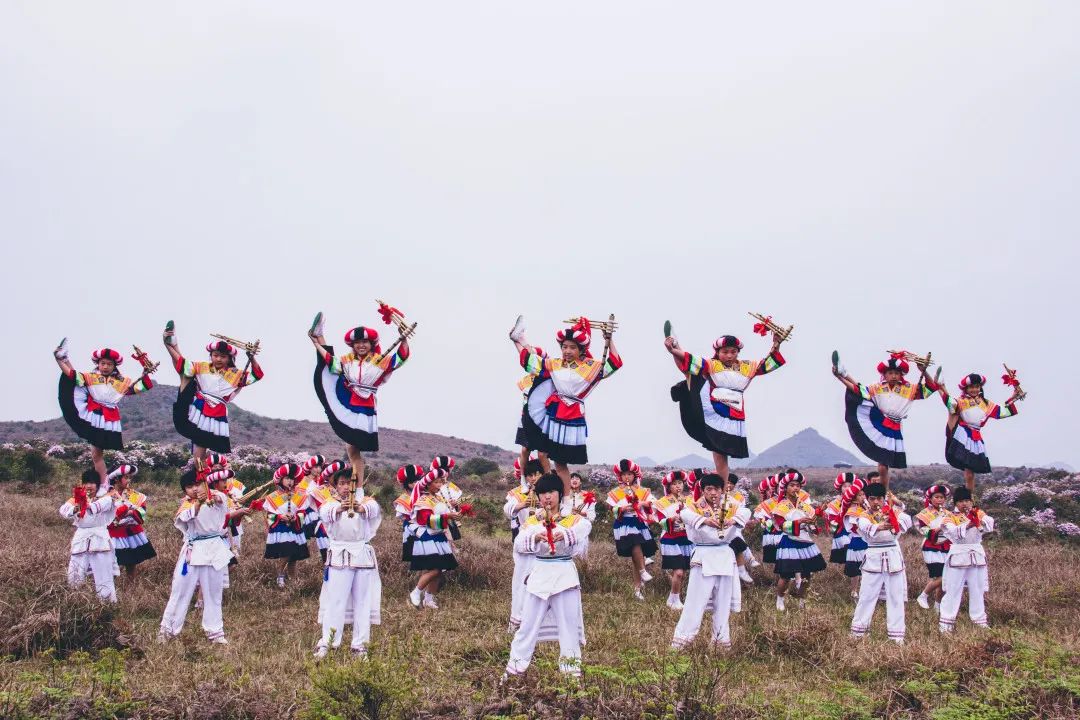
x: 897, y: 355
x: 79, y: 493
x: 588, y: 497
x: 549, y: 524
x: 894, y: 522
x: 762, y: 328
x: 1010, y: 380
x: 387, y: 312
x: 466, y: 510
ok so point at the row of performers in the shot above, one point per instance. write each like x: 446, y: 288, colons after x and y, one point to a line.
x: 703, y: 520
x: 552, y: 421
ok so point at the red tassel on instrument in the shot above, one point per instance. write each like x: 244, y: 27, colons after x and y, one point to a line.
x: 894, y: 522
x: 588, y: 497
x: 1010, y: 381
x: 897, y: 355
x: 761, y: 328
x: 549, y: 524
x: 467, y: 510
x: 387, y: 312
x: 79, y: 493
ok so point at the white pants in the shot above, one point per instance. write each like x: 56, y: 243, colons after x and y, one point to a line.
x: 953, y: 581
x: 342, y: 585
x: 522, y: 564
x: 700, y: 590
x: 183, y: 587
x: 565, y: 606
x: 871, y: 586
x: 101, y: 565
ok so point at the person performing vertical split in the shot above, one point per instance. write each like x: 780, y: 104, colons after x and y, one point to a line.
x: 711, y: 524
x: 346, y: 385
x: 632, y: 506
x: 880, y: 526
x: 201, y: 410
x: 968, y: 415
x: 203, y: 558
x: 353, y: 592
x: 573, y: 376
x: 552, y: 607
x: 91, y: 546
x: 711, y: 402
x: 89, y: 401
x: 874, y: 413
x: 965, y: 566
x: 127, y: 532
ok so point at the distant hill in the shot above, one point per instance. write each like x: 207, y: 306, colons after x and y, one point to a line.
x: 645, y: 461
x: 806, y: 448
x: 148, y: 416
x: 689, y: 462
x: 1061, y: 465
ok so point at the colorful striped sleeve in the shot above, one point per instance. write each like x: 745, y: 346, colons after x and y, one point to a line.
x: 399, y: 357
x: 1001, y: 412
x: 773, y: 361
x: 333, y: 364
x: 690, y: 364
x: 184, y: 367
x: 923, y: 391
x: 252, y: 376
x: 949, y: 400
x: 78, y: 377
x: 141, y: 385
x: 531, y: 362
x: 614, y: 362
x: 865, y: 391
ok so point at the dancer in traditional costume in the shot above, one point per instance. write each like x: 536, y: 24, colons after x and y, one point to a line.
x: 711, y: 400
x: 127, y: 532
x: 450, y: 493
x: 91, y: 546
x: 353, y: 589
x: 285, y: 508
x: 203, y: 557
x: 711, y: 525
x: 797, y: 553
x: 675, y: 546
x: 521, y: 503
x: 935, y: 547
x: 968, y: 414
x: 583, y: 503
x: 841, y: 536
x: 201, y: 410
x: 407, y: 476
x: 854, y: 504
x: 743, y: 556
x: 965, y: 566
x: 552, y: 607
x: 432, y: 553
x: 874, y: 413
x: 346, y: 385
x: 880, y: 526
x: 89, y: 401
x: 311, y: 485
x: 763, y: 513
x: 573, y: 377
x: 632, y: 506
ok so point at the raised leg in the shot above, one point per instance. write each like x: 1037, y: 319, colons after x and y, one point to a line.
x: 356, y: 460
x: 720, y: 461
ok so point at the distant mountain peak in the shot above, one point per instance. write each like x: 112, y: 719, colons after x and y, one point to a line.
x: 806, y: 448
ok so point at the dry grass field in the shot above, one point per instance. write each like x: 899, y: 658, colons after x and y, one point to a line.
x: 67, y: 656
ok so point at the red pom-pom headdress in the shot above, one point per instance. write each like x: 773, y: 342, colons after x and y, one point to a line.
x: 580, y: 332
x: 220, y: 346
x: 216, y: 461
x: 626, y: 466
x: 108, y: 354
x: 330, y: 471
x: 844, y: 477
x: 972, y: 379
x: 930, y: 491
x: 409, y: 474
x: 443, y: 462
x: 674, y: 476
x: 422, y: 484
x: 364, y: 333
x: 726, y: 341
x: 895, y: 362
x: 217, y: 475
x: 296, y: 472
x: 312, y: 462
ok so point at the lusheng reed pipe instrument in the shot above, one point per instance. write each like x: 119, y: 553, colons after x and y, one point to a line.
x: 143, y: 359
x: 608, y: 326
x: 391, y: 315
x: 765, y: 324
x: 922, y: 362
x: 251, y: 348
x: 1010, y: 379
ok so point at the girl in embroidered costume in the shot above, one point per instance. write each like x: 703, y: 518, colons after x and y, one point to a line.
x: 89, y: 400
x: 91, y: 545
x: 201, y: 410
x: 521, y: 504
x: 312, y: 486
x: 126, y: 530
x: 203, y: 557
x: 880, y: 525
x: 346, y: 385
x: 797, y: 553
x: 573, y: 377
x: 834, y: 517
x: 581, y: 503
x: 285, y: 509
x: 968, y: 414
x: 965, y: 565
x: 675, y: 546
x: 711, y: 401
x: 552, y: 607
x: 874, y: 413
x: 450, y: 493
x: 632, y: 506
x: 711, y: 525
x: 935, y: 547
x: 432, y: 553
x: 770, y: 534
x: 853, y: 503
x: 407, y: 476
x: 353, y: 589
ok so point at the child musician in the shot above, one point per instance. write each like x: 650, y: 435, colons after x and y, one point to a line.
x: 935, y: 547
x: 965, y: 566
x: 91, y: 545
x: 880, y: 525
x: 632, y: 506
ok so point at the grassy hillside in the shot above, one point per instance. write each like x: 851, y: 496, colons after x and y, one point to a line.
x: 68, y: 656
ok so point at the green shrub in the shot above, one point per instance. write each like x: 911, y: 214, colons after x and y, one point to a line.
x: 380, y: 687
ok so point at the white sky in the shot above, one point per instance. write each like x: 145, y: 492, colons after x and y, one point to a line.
x: 879, y: 176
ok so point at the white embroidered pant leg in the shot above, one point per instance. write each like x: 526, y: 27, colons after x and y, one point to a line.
x: 100, y: 565
x: 212, y: 582
x: 722, y: 590
x: 78, y: 567
x: 183, y: 587
x: 870, y: 586
x: 333, y: 600
x: 566, y: 606
x: 952, y: 582
x: 698, y: 591
x: 523, y: 645
x: 362, y: 599
x: 977, y: 582
x: 896, y: 595
x: 517, y: 589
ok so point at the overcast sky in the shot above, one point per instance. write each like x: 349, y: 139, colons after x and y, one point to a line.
x: 879, y: 176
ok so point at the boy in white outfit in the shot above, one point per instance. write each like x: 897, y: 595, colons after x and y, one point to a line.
x: 353, y: 590
x: 883, y: 565
x: 965, y: 565
x: 711, y: 526
x: 91, y: 547
x: 203, y: 557
x: 520, y: 504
